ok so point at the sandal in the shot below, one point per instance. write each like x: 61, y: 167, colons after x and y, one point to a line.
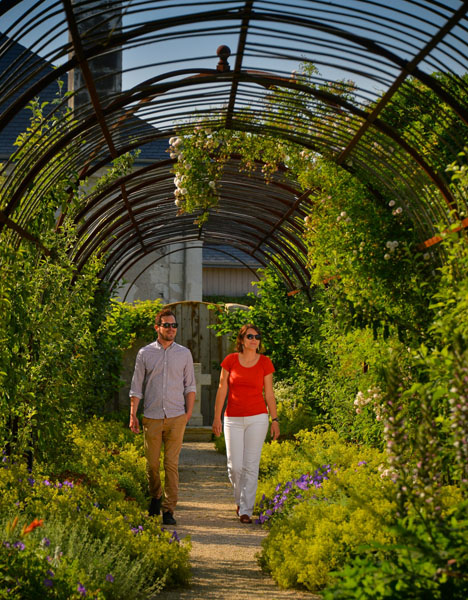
x: 245, y: 519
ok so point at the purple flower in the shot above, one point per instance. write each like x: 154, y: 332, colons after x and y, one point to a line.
x: 110, y: 578
x: 6, y: 544
x: 138, y: 529
x: 46, y: 482
x: 48, y: 583
x: 81, y: 589
x: 174, y: 537
x: 362, y: 462
x: 31, y: 481
x: 19, y: 545
x: 46, y: 542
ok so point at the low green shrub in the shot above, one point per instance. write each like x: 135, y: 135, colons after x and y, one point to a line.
x: 293, y: 413
x: 321, y: 499
x: 93, y: 516
x: 429, y: 562
x: 308, y: 451
x: 323, y: 529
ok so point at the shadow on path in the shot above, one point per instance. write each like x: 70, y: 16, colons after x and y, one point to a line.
x: 224, y: 565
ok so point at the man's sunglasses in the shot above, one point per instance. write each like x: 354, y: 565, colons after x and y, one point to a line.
x: 251, y: 336
x: 168, y: 325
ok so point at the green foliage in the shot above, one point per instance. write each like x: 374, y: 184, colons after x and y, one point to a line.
x: 424, y: 410
x: 122, y: 325
x: 92, y: 531
x: 429, y: 562
x: 56, y: 365
x: 293, y: 413
x: 322, y: 527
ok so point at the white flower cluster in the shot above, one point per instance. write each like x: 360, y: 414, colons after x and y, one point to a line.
x: 396, y: 211
x: 391, y: 246
x: 374, y: 396
x: 176, y: 152
x: 386, y: 472
x: 343, y: 216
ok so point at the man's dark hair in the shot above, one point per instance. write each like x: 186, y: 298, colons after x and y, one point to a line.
x: 165, y: 312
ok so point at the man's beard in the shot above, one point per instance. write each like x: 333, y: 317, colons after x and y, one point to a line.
x: 166, y: 337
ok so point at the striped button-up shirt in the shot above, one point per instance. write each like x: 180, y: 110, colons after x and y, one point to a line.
x: 163, y: 377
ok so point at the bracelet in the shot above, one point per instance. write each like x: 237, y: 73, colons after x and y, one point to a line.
x: 275, y: 419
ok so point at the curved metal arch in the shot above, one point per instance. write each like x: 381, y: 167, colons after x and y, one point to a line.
x: 134, y: 183
x: 261, y: 80
x: 324, y: 96
x: 361, y: 153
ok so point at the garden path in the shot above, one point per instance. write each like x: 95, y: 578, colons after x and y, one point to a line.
x: 224, y: 565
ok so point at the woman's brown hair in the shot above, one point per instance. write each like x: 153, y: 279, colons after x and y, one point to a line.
x: 240, y: 336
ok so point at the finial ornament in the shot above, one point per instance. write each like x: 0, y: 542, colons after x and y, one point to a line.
x: 224, y: 52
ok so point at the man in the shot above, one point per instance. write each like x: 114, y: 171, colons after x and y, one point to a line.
x: 165, y: 378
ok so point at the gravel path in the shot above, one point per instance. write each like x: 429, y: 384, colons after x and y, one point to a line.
x: 224, y: 564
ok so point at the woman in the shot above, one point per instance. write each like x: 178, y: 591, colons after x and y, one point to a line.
x: 249, y: 376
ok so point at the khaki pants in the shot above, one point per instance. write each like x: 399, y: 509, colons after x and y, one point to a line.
x: 169, y: 432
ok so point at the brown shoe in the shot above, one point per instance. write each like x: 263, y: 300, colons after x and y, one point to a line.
x: 245, y: 519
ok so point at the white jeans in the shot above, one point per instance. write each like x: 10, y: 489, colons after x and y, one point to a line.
x: 244, y: 440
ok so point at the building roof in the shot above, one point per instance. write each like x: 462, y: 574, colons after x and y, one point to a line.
x: 223, y: 256
x: 16, y: 53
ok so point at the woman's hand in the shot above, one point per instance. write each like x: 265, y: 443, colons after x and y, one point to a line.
x: 275, y: 430
x: 217, y: 427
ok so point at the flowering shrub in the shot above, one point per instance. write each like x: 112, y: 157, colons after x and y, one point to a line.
x: 428, y: 561
x: 289, y: 494
x: 87, y: 532
x: 323, y: 529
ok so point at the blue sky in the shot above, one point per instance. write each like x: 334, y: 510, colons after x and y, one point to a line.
x: 269, y: 47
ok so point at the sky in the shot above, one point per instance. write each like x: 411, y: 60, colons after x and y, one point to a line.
x: 271, y: 47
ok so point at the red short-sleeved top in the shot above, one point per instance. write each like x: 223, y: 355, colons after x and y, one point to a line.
x: 245, y: 396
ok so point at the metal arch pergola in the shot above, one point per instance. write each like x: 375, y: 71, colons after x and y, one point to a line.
x: 170, y: 74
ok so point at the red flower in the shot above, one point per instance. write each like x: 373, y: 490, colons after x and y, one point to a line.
x: 32, y: 526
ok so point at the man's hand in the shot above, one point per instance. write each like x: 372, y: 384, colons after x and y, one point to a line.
x: 134, y: 424
x: 188, y: 415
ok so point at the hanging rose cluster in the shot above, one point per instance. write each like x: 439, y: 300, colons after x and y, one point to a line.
x: 175, y: 152
x: 197, y: 171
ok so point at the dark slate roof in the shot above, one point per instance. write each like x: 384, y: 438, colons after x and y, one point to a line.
x: 23, y: 56
x: 227, y: 256
x: 154, y: 150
